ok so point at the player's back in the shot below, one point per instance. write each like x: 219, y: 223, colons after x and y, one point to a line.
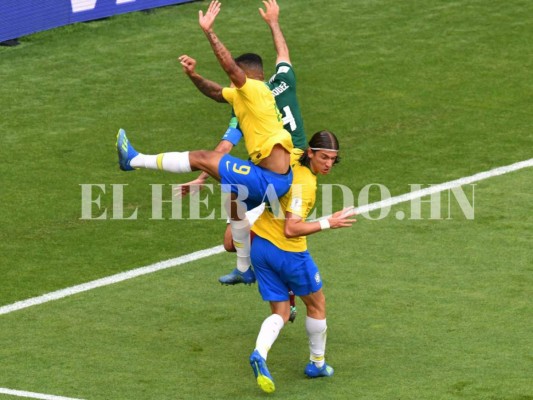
x: 259, y: 119
x: 283, y: 86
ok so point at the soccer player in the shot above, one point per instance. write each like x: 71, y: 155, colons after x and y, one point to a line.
x: 283, y: 86
x: 281, y: 260
x: 267, y: 176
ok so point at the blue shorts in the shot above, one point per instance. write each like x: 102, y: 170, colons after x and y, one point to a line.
x: 254, y: 185
x: 278, y: 271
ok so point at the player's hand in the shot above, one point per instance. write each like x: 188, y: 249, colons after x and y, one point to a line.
x: 189, y: 188
x: 188, y: 64
x: 206, y: 21
x: 343, y: 218
x: 271, y: 12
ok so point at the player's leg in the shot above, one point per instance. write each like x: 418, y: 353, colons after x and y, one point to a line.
x: 177, y: 162
x: 305, y: 282
x: 266, y: 258
x: 240, y: 233
x: 228, y: 240
x: 252, y: 216
x: 242, y: 273
x: 270, y: 329
x: 316, y: 327
x: 292, y: 302
x: 249, y: 186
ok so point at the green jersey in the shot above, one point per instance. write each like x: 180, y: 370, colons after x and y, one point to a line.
x: 283, y: 87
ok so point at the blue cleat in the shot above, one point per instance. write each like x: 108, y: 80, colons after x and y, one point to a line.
x: 235, y: 277
x: 312, y: 371
x: 264, y: 379
x: 125, y: 151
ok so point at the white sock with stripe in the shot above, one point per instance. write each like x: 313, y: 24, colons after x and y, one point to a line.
x: 240, y: 230
x: 268, y: 334
x: 316, y: 332
x: 177, y: 162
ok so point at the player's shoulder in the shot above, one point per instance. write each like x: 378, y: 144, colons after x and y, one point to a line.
x: 254, y: 83
x: 253, y: 87
x: 228, y: 93
x: 302, y: 174
x: 284, y: 75
x: 284, y: 67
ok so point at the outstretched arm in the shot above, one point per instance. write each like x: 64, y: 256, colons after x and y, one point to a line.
x: 271, y: 17
x: 295, y: 226
x: 209, y: 88
x: 228, y: 64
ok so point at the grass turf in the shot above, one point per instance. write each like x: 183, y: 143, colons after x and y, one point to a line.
x: 417, y: 92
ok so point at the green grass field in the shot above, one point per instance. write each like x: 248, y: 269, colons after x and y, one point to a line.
x: 418, y: 92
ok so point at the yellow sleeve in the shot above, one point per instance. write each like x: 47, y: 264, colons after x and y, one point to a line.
x: 251, y: 87
x: 228, y: 94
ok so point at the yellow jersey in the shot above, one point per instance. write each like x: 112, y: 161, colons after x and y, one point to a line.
x: 296, y: 153
x: 299, y: 201
x: 259, y: 118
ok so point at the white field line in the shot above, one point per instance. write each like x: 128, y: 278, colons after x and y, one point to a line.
x: 31, y: 395
x: 445, y: 186
x: 219, y: 249
x: 59, y: 294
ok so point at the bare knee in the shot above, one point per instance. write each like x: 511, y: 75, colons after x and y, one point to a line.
x: 316, y: 312
x: 282, y: 308
x: 206, y: 161
x: 315, y: 304
x: 198, y: 158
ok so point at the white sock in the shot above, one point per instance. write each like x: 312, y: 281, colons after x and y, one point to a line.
x: 177, y: 162
x: 240, y: 230
x: 316, y: 332
x: 268, y: 334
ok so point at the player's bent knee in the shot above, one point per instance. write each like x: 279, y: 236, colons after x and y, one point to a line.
x: 206, y: 160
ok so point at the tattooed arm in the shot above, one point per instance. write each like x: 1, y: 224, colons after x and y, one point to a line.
x: 209, y: 88
x: 234, y: 72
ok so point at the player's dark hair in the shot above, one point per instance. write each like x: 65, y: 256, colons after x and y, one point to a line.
x: 250, y: 61
x: 322, y: 140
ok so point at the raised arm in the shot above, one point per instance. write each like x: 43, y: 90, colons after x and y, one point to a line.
x: 209, y: 88
x: 234, y: 72
x: 271, y: 16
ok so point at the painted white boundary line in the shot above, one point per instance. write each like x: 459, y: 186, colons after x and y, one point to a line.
x: 220, y: 249
x: 19, y: 305
x: 445, y: 186
x: 31, y: 395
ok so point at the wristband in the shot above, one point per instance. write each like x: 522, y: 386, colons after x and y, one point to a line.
x: 324, y: 224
